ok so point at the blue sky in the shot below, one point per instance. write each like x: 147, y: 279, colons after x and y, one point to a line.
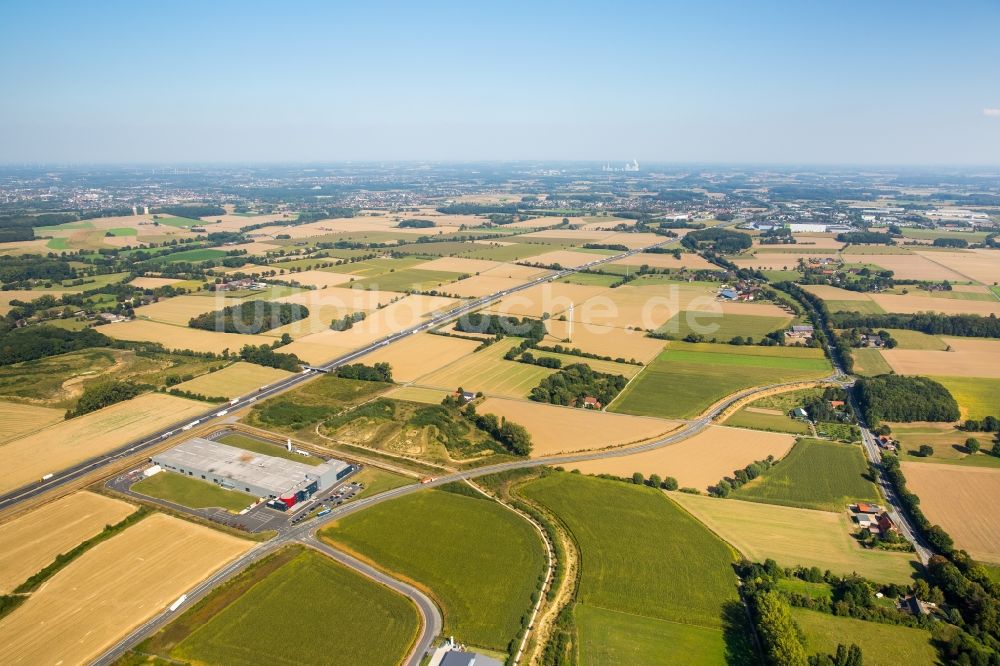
x: 851, y: 82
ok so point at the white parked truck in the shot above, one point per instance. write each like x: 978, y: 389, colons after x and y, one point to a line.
x: 177, y: 604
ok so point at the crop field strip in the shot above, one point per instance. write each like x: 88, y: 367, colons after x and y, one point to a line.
x: 881, y: 644
x: 687, y: 378
x: 31, y: 541
x: 482, y: 581
x: 67, y: 443
x: 136, y: 573
x: 303, y: 610
x: 699, y: 461
x: 489, y: 372
x: 796, y: 537
x: 627, y: 611
x: 815, y: 474
x: 960, y: 499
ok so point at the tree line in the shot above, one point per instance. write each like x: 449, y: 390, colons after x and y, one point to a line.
x: 962, y: 325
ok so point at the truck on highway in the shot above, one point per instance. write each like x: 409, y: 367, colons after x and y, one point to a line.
x: 47, y: 476
x: 234, y: 400
x: 222, y: 413
x: 177, y: 604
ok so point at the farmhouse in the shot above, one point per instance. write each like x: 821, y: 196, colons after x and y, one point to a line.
x: 286, y: 481
x: 800, y: 332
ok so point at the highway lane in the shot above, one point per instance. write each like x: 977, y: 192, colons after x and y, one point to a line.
x: 67, y: 475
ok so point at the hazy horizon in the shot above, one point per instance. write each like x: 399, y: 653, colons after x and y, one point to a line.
x: 785, y: 84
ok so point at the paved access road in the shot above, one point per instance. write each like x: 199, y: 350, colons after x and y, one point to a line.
x: 305, y: 533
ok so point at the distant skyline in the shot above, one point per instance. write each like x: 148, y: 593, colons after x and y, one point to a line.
x: 885, y: 83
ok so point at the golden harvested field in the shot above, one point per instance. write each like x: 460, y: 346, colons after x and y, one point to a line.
x: 912, y: 303
x: 603, y: 340
x: 182, y: 337
x: 551, y: 297
x: 113, y: 588
x: 318, y: 278
x: 235, y: 380
x: 246, y: 269
x: 961, y: 499
x: 699, y: 461
x: 548, y: 221
x: 481, y: 285
x: 489, y: 372
x: 17, y: 419
x: 420, y: 354
x: 973, y: 358
x: 352, y: 300
x: 647, y: 308
x: 179, y: 309
x: 912, y: 267
x: 329, y: 344
x: 70, y: 442
x: 23, y: 295
x: 687, y: 260
x: 809, y: 241
x: 254, y: 248
x: 633, y: 241
x: 556, y: 429
x: 31, y: 542
x: 794, y: 537
x: 153, y: 282
x: 565, y: 258
x: 979, y: 265
x: 829, y: 293
x: 459, y: 265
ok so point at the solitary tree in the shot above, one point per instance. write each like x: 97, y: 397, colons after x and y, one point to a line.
x: 972, y: 445
x: 925, y: 451
x: 655, y: 481
x: 637, y: 478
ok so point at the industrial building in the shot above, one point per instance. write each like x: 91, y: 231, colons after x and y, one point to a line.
x: 286, y: 481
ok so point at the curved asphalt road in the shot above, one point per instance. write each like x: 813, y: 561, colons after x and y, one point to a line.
x: 305, y: 533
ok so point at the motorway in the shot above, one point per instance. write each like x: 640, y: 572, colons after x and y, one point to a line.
x: 62, y: 477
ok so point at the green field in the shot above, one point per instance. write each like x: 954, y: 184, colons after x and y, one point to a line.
x: 477, y: 559
x: 199, y: 254
x: 123, y: 231
x: 179, y: 222
x: 931, y: 234
x: 864, y: 307
x: 685, y: 379
x: 512, y: 252
x: 881, y: 644
x: 370, y: 268
x: 652, y: 577
x: 977, y: 396
x: 295, y: 607
x: 412, y: 279
x: 58, y: 244
x: 796, y: 537
x: 725, y: 327
x: 265, y: 448
x: 590, y: 279
x: 917, y: 340
x: 192, y: 493
x: 782, y: 276
x: 814, y: 475
x: 314, y: 401
x: 771, y: 422
x: 869, y: 362
x: 378, y: 481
